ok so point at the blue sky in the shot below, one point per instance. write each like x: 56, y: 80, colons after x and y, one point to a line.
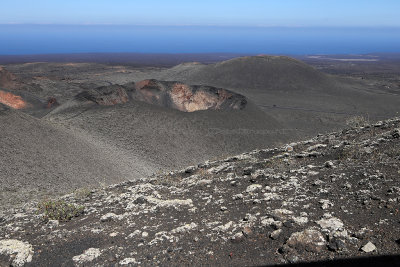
x: 290, y: 13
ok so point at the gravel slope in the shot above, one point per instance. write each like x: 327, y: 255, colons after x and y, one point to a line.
x: 38, y: 159
x: 335, y: 196
x: 88, y: 145
x: 169, y: 138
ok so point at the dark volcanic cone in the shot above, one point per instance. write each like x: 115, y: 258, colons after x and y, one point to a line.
x: 270, y: 73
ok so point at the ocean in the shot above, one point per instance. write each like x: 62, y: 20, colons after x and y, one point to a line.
x: 49, y: 39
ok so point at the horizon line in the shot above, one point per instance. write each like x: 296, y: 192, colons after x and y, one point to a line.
x: 201, y: 53
x: 202, y: 25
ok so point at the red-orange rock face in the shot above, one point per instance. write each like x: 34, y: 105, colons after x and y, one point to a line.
x: 185, y: 97
x: 175, y: 95
x: 13, y: 101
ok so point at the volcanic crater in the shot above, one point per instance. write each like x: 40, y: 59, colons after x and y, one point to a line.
x: 169, y: 94
x: 187, y: 98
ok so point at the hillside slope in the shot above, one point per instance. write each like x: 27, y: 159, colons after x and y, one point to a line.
x: 272, y: 73
x: 116, y: 133
x: 39, y: 159
x: 170, y: 138
x: 335, y: 196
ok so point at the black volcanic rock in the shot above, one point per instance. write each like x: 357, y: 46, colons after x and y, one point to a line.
x: 105, y: 95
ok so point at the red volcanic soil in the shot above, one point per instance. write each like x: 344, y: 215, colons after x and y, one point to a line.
x: 52, y: 102
x: 187, y: 98
x: 13, y: 101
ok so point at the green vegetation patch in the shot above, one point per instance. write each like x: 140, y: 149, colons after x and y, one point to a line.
x: 59, y: 210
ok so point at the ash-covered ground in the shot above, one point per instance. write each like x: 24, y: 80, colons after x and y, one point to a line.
x: 335, y: 196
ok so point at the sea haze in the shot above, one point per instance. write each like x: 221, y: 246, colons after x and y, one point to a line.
x: 45, y: 39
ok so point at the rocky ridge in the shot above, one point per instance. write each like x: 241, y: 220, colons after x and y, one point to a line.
x: 167, y: 94
x: 175, y: 95
x: 334, y: 196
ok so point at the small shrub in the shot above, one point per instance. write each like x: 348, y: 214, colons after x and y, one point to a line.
x: 166, y: 180
x: 59, y: 210
x: 278, y: 164
x: 203, y: 173
x: 357, y: 121
x: 82, y: 193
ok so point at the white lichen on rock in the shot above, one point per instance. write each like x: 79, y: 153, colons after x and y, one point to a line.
x: 170, y: 202
x: 331, y: 224
x: 23, y: 251
x: 369, y: 247
x: 310, y: 240
x: 253, y: 187
x: 87, y: 256
x: 184, y: 228
x: 128, y: 261
x: 110, y: 217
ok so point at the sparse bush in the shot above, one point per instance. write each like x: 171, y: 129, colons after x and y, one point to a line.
x: 82, y: 193
x: 59, y: 210
x: 204, y: 173
x: 278, y: 164
x: 165, y: 180
x: 357, y: 121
